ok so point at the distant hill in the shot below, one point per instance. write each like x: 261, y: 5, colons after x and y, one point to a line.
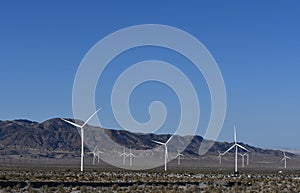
x: 54, y: 139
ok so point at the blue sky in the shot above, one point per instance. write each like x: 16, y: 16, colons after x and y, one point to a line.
x: 256, y: 45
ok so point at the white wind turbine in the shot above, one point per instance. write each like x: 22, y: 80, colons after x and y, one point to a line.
x: 243, y: 158
x: 95, y: 153
x: 284, y: 159
x: 82, y: 135
x: 178, y: 156
x: 124, y: 155
x: 220, y: 157
x: 236, y: 146
x: 166, y: 149
x: 98, y: 155
x: 130, y: 157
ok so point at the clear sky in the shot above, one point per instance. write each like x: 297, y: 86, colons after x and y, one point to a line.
x: 255, y: 43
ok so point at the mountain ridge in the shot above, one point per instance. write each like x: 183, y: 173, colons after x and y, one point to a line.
x: 54, y: 136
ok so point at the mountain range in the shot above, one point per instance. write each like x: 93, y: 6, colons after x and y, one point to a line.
x: 55, y: 138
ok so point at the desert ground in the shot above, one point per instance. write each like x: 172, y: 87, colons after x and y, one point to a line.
x: 192, y: 175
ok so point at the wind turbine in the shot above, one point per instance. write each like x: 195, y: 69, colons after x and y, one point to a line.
x: 166, y: 149
x: 95, y: 153
x: 123, y: 155
x: 82, y: 135
x: 178, y: 157
x: 243, y: 158
x: 284, y: 159
x: 98, y: 155
x: 130, y: 157
x: 236, y: 146
x: 219, y: 157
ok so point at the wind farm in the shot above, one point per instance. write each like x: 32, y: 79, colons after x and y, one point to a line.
x: 149, y: 96
x: 198, y: 172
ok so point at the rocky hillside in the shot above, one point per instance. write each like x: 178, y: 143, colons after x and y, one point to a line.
x: 54, y: 136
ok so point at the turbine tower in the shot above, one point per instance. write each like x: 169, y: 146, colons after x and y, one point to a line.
x: 130, y: 157
x: 236, y: 146
x: 82, y: 135
x: 166, y: 149
x: 247, y: 155
x: 284, y: 159
x: 124, y: 155
x: 178, y: 157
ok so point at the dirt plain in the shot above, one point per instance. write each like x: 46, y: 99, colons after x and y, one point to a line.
x: 192, y: 175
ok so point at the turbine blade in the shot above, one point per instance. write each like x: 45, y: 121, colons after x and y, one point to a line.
x: 229, y: 149
x: 74, y: 124
x: 288, y: 157
x: 95, y: 149
x: 130, y: 155
x: 282, y: 159
x: 100, y: 152
x: 242, y: 147
x: 169, y: 139
x: 234, y: 133
x: 91, y: 117
x: 220, y: 154
x: 158, y: 142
